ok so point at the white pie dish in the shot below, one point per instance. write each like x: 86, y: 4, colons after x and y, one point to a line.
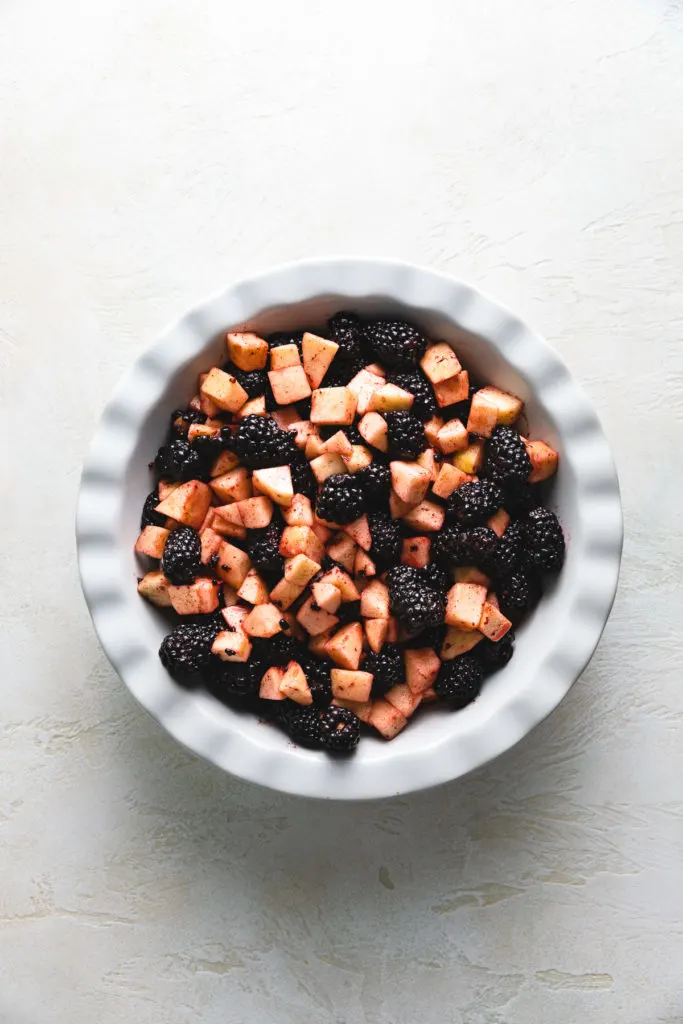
x: 554, y: 645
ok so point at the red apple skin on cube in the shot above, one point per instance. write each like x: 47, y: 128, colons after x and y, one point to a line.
x: 154, y: 588
x: 457, y: 642
x: 483, y: 416
x: 269, y: 688
x: 415, y: 552
x: 264, y: 620
x: 422, y: 668
x: 315, y: 619
x: 152, y: 541
x: 295, y: 685
x: 318, y: 354
x: 247, y: 350
x: 333, y: 405
x: 426, y: 516
x: 544, y: 460
x: 409, y: 481
x: 376, y: 633
x: 440, y: 363
x: 233, y: 564
x: 187, y: 504
x: 230, y: 646
x: 346, y: 646
x: 493, y: 624
x: 198, y: 598
x: 403, y: 699
x: 351, y: 685
x: 464, y: 605
x: 387, y: 719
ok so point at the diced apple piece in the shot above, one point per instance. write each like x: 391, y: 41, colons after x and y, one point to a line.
x: 346, y: 646
x: 387, y: 719
x: 314, y: 619
x: 204, y: 403
x: 448, y: 480
x: 289, y: 385
x: 343, y: 549
x: 415, y: 551
x: 211, y: 542
x: 264, y: 620
x: 256, y: 512
x: 294, y: 683
x: 333, y: 405
x: 254, y: 407
x: 233, y: 564
x: 300, y: 540
x: 339, y: 444
x: 322, y: 532
x: 508, y: 406
x: 202, y: 430
x: 470, y: 574
x: 403, y: 699
x: 151, y: 541
x: 315, y: 445
x: 224, y: 463
x: 359, y: 458
x: 422, y: 668
x: 318, y: 354
x: 359, y: 529
x: 224, y: 390
x: 483, y: 416
x: 452, y: 437
x: 234, y: 485
x: 230, y: 646
x: 276, y: 482
x: 409, y: 481
x: 373, y: 429
x: 300, y: 569
x: 302, y: 430
x: 493, y: 623
x: 227, y: 521
x: 187, y: 504
x: 270, y: 684
x: 464, y: 605
x: 299, y: 513
x: 365, y: 378
x: 440, y: 362
x: 471, y: 459
x: 234, y: 617
x: 230, y: 597
x: 327, y: 465
x: 154, y: 587
x: 253, y: 589
x: 247, y: 350
x: 427, y: 459
x: 198, y: 598
x: 284, y: 356
x: 326, y: 596
x: 351, y: 685
x: 208, y: 520
x: 397, y: 507
x: 432, y: 428
x: 286, y: 416
x: 166, y: 487
x: 390, y: 398
x: 457, y: 642
x: 456, y: 389
x: 544, y: 460
x: 426, y: 516
x: 392, y: 630
x: 376, y: 369
x: 343, y: 582
x: 374, y: 601
x: 317, y: 644
x: 285, y: 593
x: 361, y: 710
x: 499, y: 522
x: 363, y: 565
x: 376, y: 633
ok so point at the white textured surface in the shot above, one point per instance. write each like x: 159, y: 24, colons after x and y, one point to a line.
x: 152, y: 150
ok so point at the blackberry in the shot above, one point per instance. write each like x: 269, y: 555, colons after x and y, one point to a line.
x: 347, y: 330
x: 348, y: 611
x: 181, y: 560
x: 474, y: 503
x: 432, y: 637
x: 375, y: 480
x: 177, y: 461
x: 303, y: 480
x: 259, y: 442
x: 302, y: 724
x: 208, y: 448
x: 339, y: 730
x: 186, y: 652
x: 544, y: 540
x: 449, y: 545
x: 480, y: 545
x: 286, y: 338
x: 319, y: 679
x: 275, y: 650
x: 419, y: 386
x: 459, y: 681
x: 304, y: 408
x: 387, y: 669
x: 506, y: 459
x: 509, y: 550
x: 253, y: 381
x: 263, y: 547
x: 515, y: 594
x: 181, y: 419
x: 495, y: 655
x: 395, y: 342
x: 233, y: 680
x: 413, y: 602
x: 341, y: 499
x: 407, y: 438
x: 342, y: 371
x: 352, y: 433
x: 386, y: 540
x: 436, y: 578
x: 149, y: 516
x: 519, y: 498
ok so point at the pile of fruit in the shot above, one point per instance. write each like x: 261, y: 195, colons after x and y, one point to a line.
x: 346, y: 528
